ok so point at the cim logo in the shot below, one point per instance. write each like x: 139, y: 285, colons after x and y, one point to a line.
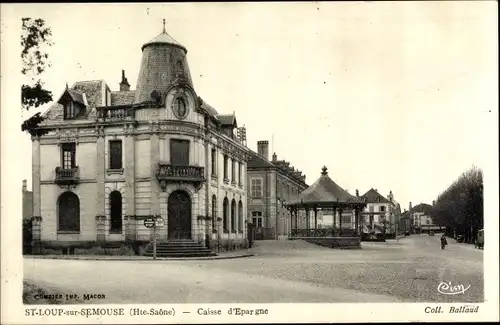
x: 449, y: 289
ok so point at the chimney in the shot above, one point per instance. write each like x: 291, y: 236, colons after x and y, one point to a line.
x: 357, y: 192
x: 263, y: 148
x: 410, y: 206
x: 25, y: 186
x: 275, y: 157
x: 124, y: 85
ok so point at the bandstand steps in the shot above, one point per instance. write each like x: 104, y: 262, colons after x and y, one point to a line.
x: 179, y: 248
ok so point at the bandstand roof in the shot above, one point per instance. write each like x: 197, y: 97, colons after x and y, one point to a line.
x: 325, y: 193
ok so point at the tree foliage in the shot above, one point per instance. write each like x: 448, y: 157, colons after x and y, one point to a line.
x: 460, y: 206
x: 35, y: 38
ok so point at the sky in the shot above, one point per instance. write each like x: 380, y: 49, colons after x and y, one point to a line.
x: 396, y: 96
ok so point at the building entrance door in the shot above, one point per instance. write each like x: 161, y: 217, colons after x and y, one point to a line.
x: 179, y: 215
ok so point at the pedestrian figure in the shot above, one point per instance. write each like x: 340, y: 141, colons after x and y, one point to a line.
x: 443, y: 241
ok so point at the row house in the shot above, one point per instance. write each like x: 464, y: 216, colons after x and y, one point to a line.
x: 271, y: 184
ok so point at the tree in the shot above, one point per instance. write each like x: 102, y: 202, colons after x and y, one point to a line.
x: 35, y: 38
x: 460, y: 206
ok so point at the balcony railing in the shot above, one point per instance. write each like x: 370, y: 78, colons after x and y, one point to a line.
x: 114, y: 113
x: 171, y: 173
x: 66, y: 176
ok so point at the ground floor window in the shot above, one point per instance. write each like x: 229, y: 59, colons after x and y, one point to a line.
x: 257, y: 219
x: 68, y: 212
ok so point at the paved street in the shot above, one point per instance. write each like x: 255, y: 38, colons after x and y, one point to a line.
x: 409, y: 269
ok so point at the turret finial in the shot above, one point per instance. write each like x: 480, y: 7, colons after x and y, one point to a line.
x: 324, y: 171
x: 164, y: 31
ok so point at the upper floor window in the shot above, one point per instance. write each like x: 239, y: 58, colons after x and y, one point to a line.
x: 382, y: 208
x: 371, y: 208
x: 239, y: 173
x: 256, y: 187
x: 68, y: 155
x: 214, y: 162
x: 225, y: 167
x: 69, y: 110
x: 179, y: 152
x: 233, y: 170
x: 115, y: 157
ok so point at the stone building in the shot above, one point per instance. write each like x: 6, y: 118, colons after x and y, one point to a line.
x: 270, y: 185
x: 381, y: 215
x: 111, y: 159
x: 27, y: 202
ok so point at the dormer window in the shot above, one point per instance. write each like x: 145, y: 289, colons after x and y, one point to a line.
x: 69, y: 110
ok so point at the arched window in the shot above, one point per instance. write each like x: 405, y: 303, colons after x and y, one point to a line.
x: 115, y: 203
x: 240, y: 216
x: 214, y: 211
x: 225, y: 216
x: 233, y: 215
x: 68, y: 212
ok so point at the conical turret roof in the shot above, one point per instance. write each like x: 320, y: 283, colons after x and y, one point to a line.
x: 163, y: 64
x: 164, y: 38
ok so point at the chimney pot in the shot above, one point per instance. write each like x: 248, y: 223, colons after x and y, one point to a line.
x: 275, y: 157
x: 263, y: 148
x: 124, y: 85
x: 25, y: 185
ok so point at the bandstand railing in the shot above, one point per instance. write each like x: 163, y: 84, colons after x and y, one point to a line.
x: 323, y: 232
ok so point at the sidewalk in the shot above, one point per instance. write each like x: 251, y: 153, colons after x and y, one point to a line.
x: 219, y: 256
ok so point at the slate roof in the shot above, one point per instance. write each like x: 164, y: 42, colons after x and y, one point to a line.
x: 122, y: 97
x: 325, y: 190
x: 209, y: 109
x: 422, y: 207
x: 93, y: 95
x: 373, y: 196
x: 257, y: 161
x: 227, y: 119
x: 75, y: 96
x: 164, y: 38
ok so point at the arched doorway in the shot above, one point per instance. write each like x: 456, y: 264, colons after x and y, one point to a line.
x: 179, y: 215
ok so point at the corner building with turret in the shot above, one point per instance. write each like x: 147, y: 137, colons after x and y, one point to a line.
x: 109, y: 160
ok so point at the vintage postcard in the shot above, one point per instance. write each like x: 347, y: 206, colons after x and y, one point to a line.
x: 249, y: 162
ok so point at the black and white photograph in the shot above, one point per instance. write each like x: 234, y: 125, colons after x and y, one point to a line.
x: 249, y: 162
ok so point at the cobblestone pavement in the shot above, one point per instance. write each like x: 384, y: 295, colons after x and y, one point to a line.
x: 409, y: 269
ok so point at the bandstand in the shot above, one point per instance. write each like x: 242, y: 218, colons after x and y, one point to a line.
x: 326, y: 196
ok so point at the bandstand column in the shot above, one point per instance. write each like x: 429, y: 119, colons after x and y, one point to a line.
x: 340, y: 218
x: 315, y: 218
x: 334, y: 217
x: 356, y: 221
x: 307, y: 218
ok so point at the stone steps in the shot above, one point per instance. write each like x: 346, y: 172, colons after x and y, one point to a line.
x: 179, y: 248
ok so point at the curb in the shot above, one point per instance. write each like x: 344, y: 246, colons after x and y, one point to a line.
x: 91, y: 258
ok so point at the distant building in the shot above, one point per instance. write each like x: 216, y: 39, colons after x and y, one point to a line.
x: 27, y: 202
x: 270, y: 185
x: 380, y: 215
x: 421, y: 219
